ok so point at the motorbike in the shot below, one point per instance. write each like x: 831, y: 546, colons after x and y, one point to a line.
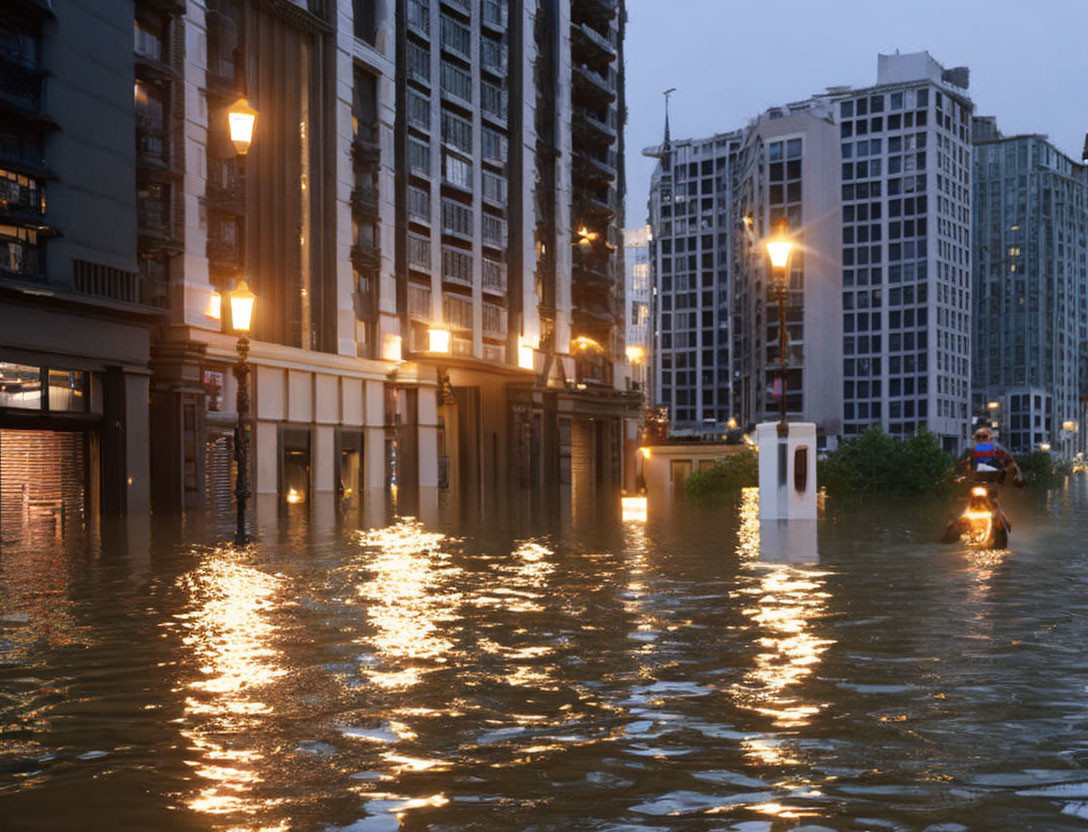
x: 982, y: 523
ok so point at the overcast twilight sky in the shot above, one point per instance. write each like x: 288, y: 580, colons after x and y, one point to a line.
x: 731, y: 59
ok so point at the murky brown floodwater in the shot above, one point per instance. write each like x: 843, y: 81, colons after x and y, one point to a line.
x: 656, y: 675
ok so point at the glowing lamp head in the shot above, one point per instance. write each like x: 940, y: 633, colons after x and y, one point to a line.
x: 1044, y: 446
x: 1070, y: 425
x: 731, y: 424
x: 978, y: 491
x: 241, y: 306
x: 993, y: 405
x: 779, y: 246
x: 241, y: 119
x: 438, y: 340
x: 635, y: 354
x: 645, y: 452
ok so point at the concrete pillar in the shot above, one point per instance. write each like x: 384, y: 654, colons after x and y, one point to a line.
x: 137, y: 442
x: 787, y: 471
x: 427, y: 408
x: 324, y: 474
x: 265, y: 448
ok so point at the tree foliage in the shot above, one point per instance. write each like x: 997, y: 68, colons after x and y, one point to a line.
x: 875, y: 463
x: 728, y: 476
x: 1039, y: 469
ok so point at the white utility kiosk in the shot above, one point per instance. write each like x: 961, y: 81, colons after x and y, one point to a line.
x: 787, y: 471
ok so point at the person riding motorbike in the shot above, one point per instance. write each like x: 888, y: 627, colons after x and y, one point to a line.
x: 987, y: 462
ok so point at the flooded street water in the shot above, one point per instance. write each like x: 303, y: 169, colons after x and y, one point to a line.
x: 653, y: 675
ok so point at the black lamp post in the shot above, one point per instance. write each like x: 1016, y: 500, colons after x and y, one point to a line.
x: 778, y: 250
x: 241, y: 315
x: 241, y: 119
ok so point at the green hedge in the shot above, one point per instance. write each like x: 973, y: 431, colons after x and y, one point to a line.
x: 1039, y: 469
x: 875, y: 463
x: 728, y: 476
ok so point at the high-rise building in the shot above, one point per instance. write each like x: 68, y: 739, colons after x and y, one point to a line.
x: 636, y: 243
x: 429, y: 214
x: 884, y: 226
x: 1030, y: 293
x: 690, y: 216
x: 906, y: 253
x: 788, y: 171
x: 77, y: 300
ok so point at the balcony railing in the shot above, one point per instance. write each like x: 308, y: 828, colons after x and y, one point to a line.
x: 20, y: 86
x: 457, y: 266
x: 365, y: 200
x: 594, y: 83
x: 365, y: 145
x: 223, y: 252
x: 365, y: 256
x: 596, y: 38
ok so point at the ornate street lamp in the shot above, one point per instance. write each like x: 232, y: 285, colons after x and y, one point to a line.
x: 241, y: 319
x: 779, y: 248
x: 241, y: 119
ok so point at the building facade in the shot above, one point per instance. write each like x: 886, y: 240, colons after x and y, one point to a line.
x: 636, y: 244
x: 787, y: 172
x: 1030, y: 292
x: 429, y: 215
x: 690, y: 210
x: 77, y: 304
x: 875, y: 185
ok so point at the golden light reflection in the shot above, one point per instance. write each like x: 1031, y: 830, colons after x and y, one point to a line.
x: 748, y: 528
x: 229, y: 632
x: 781, y: 603
x: 633, y: 509
x: 407, y: 601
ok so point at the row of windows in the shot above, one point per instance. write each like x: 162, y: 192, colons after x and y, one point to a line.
x: 864, y: 126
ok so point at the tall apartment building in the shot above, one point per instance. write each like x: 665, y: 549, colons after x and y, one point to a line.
x: 636, y: 244
x: 1030, y: 292
x: 690, y: 211
x: 885, y: 227
x: 508, y: 119
x: 787, y: 171
x: 422, y: 179
x: 906, y: 176
x: 76, y: 301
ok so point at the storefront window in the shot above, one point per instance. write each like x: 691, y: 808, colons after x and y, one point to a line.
x: 68, y: 391
x: 20, y: 386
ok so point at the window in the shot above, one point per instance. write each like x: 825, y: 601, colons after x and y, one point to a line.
x: 457, y: 265
x: 492, y: 55
x: 457, y: 131
x: 456, y: 82
x: 20, y: 386
x: 419, y: 204
x: 419, y: 251
x: 456, y: 37
x: 495, y: 190
x: 418, y: 61
x: 148, y: 40
x: 494, y: 230
x: 456, y: 171
x: 419, y: 111
x: 493, y: 100
x: 456, y: 218
x: 419, y: 157
x: 493, y: 145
